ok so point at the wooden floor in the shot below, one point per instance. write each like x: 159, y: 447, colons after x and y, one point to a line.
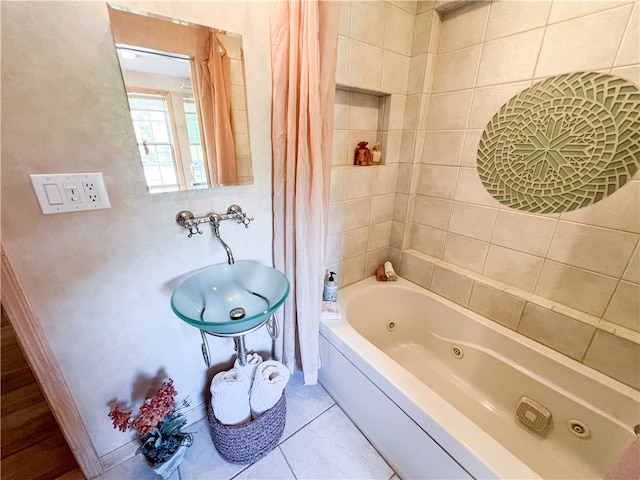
x: 33, y: 447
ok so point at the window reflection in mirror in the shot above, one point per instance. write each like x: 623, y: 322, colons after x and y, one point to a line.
x: 187, y: 104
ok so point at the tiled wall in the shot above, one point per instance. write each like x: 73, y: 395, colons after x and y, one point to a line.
x: 571, y: 280
x: 382, y: 55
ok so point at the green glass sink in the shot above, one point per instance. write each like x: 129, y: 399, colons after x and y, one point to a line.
x: 230, y: 299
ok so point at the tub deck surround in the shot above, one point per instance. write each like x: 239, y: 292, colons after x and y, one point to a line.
x: 392, y: 356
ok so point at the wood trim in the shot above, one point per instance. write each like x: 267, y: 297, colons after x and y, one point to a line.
x: 43, y: 363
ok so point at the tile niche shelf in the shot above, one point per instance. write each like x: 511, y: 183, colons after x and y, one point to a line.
x: 361, y: 115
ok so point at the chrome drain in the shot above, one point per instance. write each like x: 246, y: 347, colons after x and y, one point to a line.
x: 578, y: 428
x: 391, y: 326
x: 457, y: 351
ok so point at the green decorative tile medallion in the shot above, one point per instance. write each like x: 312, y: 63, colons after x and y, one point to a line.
x: 562, y: 144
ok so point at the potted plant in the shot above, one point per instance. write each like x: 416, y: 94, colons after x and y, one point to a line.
x: 159, y: 427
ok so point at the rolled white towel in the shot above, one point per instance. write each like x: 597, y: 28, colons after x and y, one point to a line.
x: 249, y: 370
x: 230, y: 397
x: 269, y: 382
x: 390, y: 272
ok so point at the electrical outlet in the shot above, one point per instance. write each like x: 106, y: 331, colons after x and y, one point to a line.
x: 91, y: 191
x: 70, y: 192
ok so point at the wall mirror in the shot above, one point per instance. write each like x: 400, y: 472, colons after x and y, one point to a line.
x: 186, y: 89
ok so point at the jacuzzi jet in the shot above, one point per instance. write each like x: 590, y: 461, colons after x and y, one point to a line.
x: 457, y: 351
x: 391, y: 326
x: 578, y: 428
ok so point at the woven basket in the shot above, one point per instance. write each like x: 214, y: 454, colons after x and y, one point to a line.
x: 245, y: 444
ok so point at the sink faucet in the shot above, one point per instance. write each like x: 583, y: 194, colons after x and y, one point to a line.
x: 189, y: 221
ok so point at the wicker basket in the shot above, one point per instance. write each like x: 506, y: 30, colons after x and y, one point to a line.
x: 245, y: 444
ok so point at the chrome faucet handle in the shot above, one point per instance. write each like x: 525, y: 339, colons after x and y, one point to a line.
x: 243, y: 219
x: 193, y: 229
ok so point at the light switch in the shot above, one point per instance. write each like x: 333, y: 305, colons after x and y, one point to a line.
x: 52, y: 193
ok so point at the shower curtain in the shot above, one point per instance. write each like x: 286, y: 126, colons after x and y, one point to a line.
x: 304, y: 37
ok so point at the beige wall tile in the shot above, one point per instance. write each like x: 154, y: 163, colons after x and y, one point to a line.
x: 567, y: 47
x: 416, y: 270
x: 421, y: 32
x: 619, y: 211
x: 356, y: 213
x: 341, y: 107
x: 596, y: 249
x: 561, y: 11
x: 334, y: 249
x: 472, y: 220
x: 579, y: 289
x: 363, y: 112
x: 354, y: 242
x: 496, y: 305
x: 427, y: 240
x: 556, y: 331
x: 376, y: 258
x: 395, y: 72
x: 384, y: 179
x: 335, y: 218
x: 382, y: 208
x: 398, y: 34
x: 412, y: 112
x: 417, y: 66
x: 379, y: 236
x: 437, y: 181
x: 449, y: 111
x: 463, y: 28
x: 488, y: 101
x: 624, y: 308
x: 451, y: 285
x: 345, y: 18
x: 470, y: 149
x: 340, y: 148
x: 510, y: 59
x: 365, y: 65
x: 336, y: 194
x: 527, y: 233
x: 367, y: 22
x: 404, y: 178
x: 407, y: 147
x: 352, y: 270
x: 358, y: 182
x: 397, y: 235
x: 514, y: 268
x: 507, y: 18
x: 444, y: 147
x: 432, y: 211
x: 457, y: 70
x: 469, y: 189
x: 397, y: 105
x: 616, y: 357
x: 465, y: 252
x: 342, y: 61
x: 629, y: 51
x: 632, y: 273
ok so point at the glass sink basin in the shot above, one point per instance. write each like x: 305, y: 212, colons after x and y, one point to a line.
x: 249, y: 291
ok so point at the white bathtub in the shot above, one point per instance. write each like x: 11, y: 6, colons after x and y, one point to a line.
x: 389, y: 364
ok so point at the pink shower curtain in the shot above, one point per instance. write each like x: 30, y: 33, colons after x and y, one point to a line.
x: 212, y: 80
x: 304, y: 37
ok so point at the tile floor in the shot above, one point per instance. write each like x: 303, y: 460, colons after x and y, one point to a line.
x: 319, y: 442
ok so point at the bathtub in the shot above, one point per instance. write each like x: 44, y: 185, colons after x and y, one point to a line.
x: 434, y: 387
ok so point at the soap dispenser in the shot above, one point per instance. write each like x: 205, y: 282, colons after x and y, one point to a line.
x: 330, y: 293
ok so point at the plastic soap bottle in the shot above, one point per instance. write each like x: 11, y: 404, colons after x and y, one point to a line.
x: 330, y: 293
